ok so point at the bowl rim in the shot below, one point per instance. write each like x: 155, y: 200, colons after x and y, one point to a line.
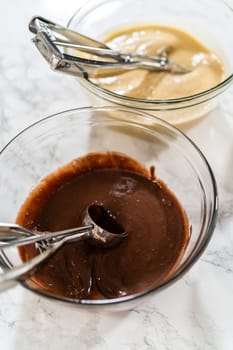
x: 215, y: 89
x: 5, y: 263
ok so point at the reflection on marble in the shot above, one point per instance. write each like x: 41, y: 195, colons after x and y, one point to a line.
x: 194, y: 314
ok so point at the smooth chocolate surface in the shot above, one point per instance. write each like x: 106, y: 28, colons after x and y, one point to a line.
x: 156, y: 224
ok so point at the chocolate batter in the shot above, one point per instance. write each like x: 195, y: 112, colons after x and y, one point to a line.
x: 156, y: 224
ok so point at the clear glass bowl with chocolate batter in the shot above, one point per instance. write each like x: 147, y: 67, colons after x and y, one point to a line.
x: 57, y: 140
x: 174, y: 102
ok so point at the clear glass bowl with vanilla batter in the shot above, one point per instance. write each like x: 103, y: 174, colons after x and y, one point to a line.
x: 176, y: 98
x: 55, y: 141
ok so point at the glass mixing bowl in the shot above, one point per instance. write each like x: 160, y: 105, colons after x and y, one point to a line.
x: 52, y: 142
x: 99, y: 18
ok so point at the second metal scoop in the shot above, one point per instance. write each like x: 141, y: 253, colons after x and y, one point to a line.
x: 100, y: 229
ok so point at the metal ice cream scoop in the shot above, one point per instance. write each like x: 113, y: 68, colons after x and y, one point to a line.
x: 52, y: 40
x: 101, y: 229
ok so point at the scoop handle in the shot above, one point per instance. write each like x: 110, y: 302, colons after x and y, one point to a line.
x: 20, y: 273
x: 12, y: 231
x: 10, y: 278
x: 11, y: 238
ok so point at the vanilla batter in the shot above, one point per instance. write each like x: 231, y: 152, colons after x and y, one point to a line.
x: 206, y: 68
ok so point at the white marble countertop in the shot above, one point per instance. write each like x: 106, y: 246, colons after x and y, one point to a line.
x: 196, y: 312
